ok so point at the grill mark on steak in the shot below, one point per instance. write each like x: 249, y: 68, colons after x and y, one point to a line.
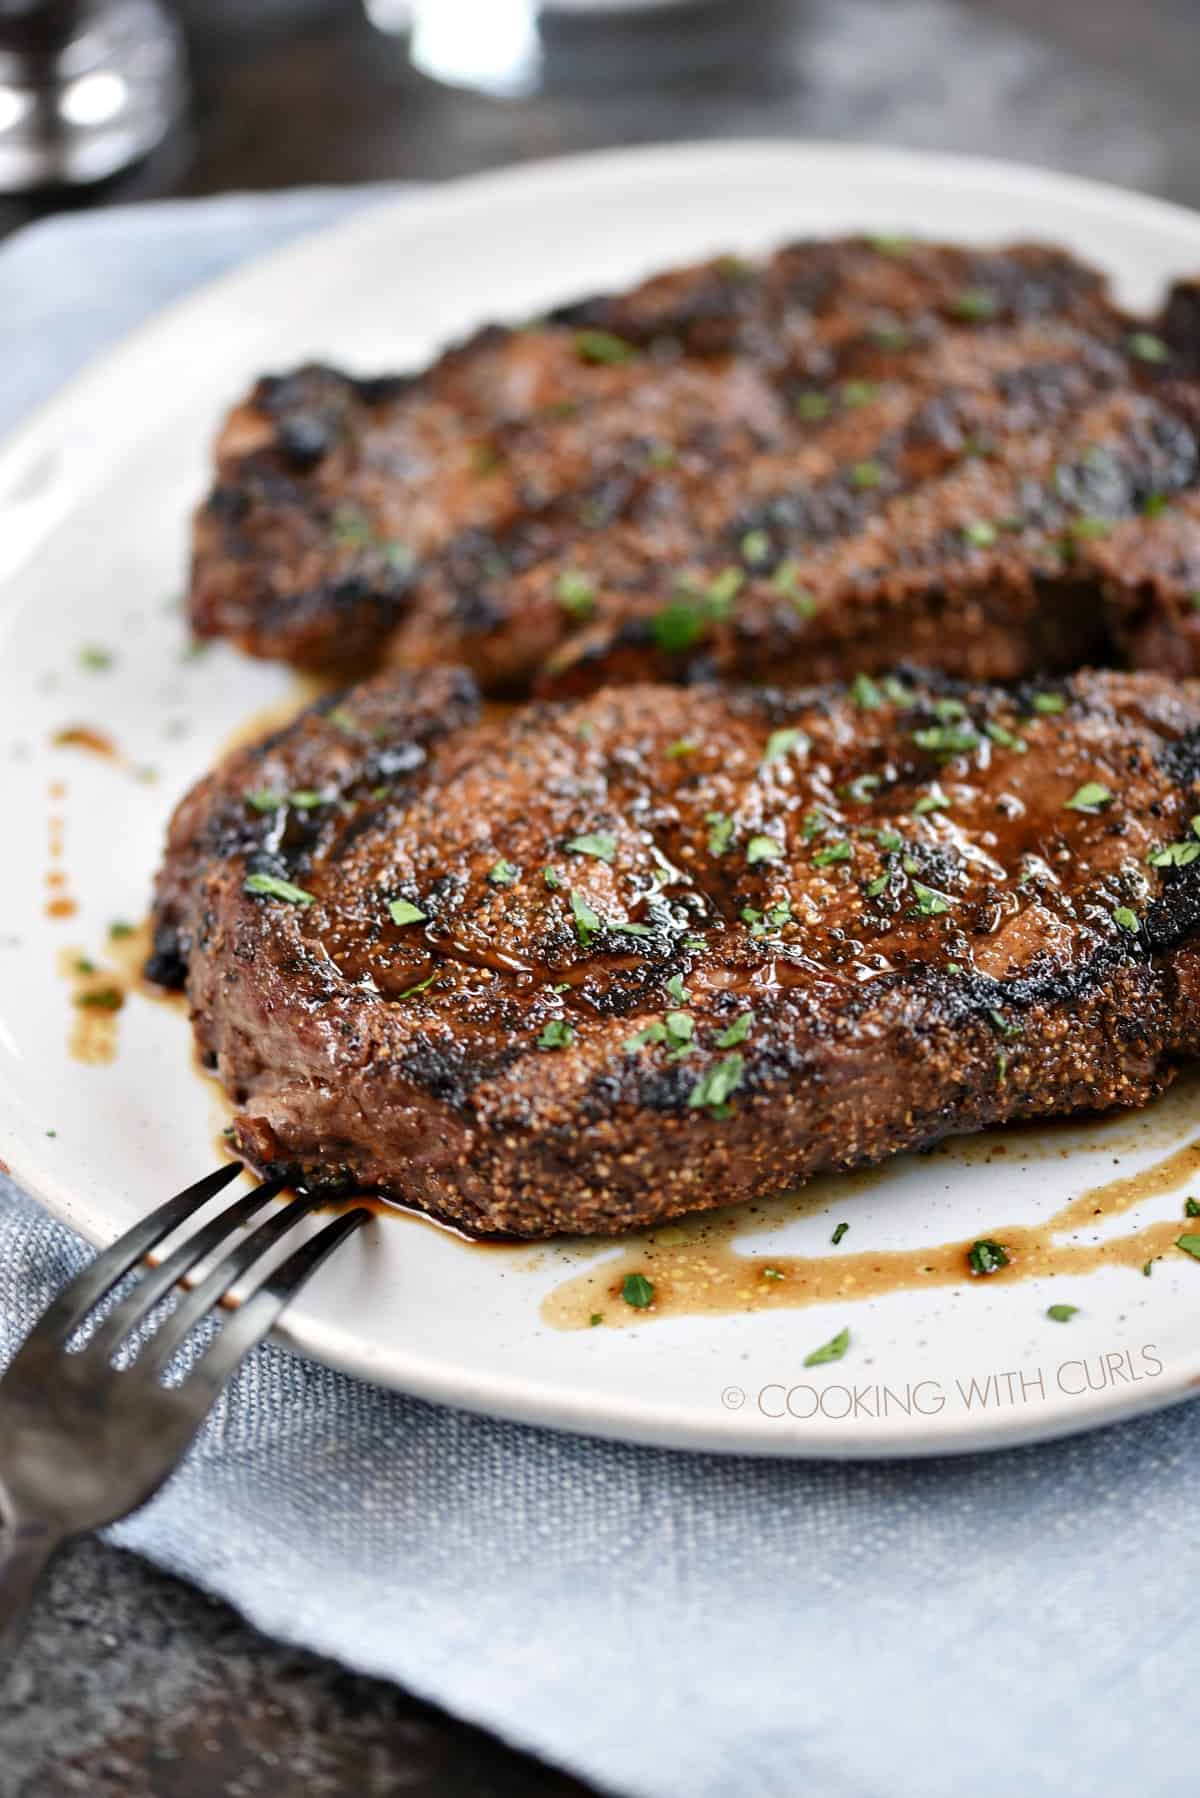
x: 930, y: 938
x: 860, y: 409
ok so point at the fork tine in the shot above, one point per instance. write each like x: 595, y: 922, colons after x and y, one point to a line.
x: 73, y: 1304
x: 158, y: 1281
x: 154, y: 1357
x: 252, y: 1321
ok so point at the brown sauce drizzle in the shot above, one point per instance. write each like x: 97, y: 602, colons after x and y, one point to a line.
x: 86, y: 736
x: 99, y: 989
x: 695, y: 1268
x: 59, y: 903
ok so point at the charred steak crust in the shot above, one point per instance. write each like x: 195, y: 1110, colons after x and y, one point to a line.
x: 853, y: 453
x: 599, y: 962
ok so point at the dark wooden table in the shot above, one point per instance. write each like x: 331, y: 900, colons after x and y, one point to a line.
x: 135, y: 1686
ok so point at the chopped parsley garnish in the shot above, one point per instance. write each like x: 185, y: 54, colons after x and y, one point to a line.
x: 119, y: 929
x: 410, y: 992
x: 304, y: 799
x: 1128, y: 920
x: 551, y: 878
x: 786, y: 581
x: 987, y: 1256
x: 720, y: 833
x: 1190, y: 1245
x: 1062, y: 1314
x: 662, y: 455
x: 974, y: 304
x: 1092, y: 796
x: 628, y: 929
x: 1049, y: 702
x: 841, y: 851
x: 861, y: 787
x: 604, y: 347
x: 865, y: 693
x: 890, y: 334
x: 889, y: 840
x: 1191, y: 1208
x: 891, y: 244
x: 715, y: 1086
x: 945, y: 739
x: 1006, y: 738
x: 502, y: 873
x: 935, y: 801
x: 771, y: 1273
x: 723, y: 589
x: 877, y: 886
x: 929, y: 903
x: 637, y: 1291
x: 653, y: 1033
x: 597, y: 1317
x: 680, y: 1028
x: 1174, y: 855
x: 781, y: 743
x: 756, y: 548
x: 949, y: 711
x: 265, y: 801
x: 737, y: 1032
x: 1083, y: 528
x: 404, y: 912
x: 575, y: 593
x: 680, y: 747
x: 557, y: 1034
x: 1148, y: 348
x: 341, y: 719
x: 101, y: 998
x: 597, y: 843
x: 680, y: 623
x: 272, y: 888
x: 677, y: 990
x: 95, y: 659
x: 833, y: 1350
x: 587, y: 922
x: 838, y: 1234
x: 980, y: 533
x: 763, y: 849
x: 1001, y: 1023
x: 865, y: 474
x: 1154, y: 505
x: 812, y: 407
x: 859, y: 393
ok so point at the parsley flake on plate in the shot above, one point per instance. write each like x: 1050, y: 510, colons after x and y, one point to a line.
x: 403, y: 911
x: 833, y: 1350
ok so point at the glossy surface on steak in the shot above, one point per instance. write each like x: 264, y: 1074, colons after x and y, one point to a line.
x: 855, y: 453
x: 598, y: 962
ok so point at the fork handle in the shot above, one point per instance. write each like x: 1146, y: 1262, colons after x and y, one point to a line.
x: 26, y: 1550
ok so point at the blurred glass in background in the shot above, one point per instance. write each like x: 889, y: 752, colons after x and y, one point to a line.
x: 86, y: 87
x: 513, y: 47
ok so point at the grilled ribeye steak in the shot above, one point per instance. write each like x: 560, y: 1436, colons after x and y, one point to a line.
x: 854, y: 453
x: 606, y: 960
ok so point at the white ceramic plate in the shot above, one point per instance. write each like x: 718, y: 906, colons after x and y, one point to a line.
x: 94, y: 498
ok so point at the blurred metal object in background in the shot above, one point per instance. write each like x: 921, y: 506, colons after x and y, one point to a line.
x: 510, y: 48
x: 86, y: 87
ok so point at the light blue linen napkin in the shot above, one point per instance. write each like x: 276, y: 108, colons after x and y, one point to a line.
x: 664, y: 1624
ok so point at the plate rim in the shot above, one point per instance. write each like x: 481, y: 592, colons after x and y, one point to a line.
x: 441, y: 1381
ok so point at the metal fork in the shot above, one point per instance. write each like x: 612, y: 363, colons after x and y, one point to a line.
x: 83, y: 1444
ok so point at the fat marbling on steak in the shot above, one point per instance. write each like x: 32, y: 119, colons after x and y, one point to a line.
x: 602, y: 961
x: 854, y: 453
